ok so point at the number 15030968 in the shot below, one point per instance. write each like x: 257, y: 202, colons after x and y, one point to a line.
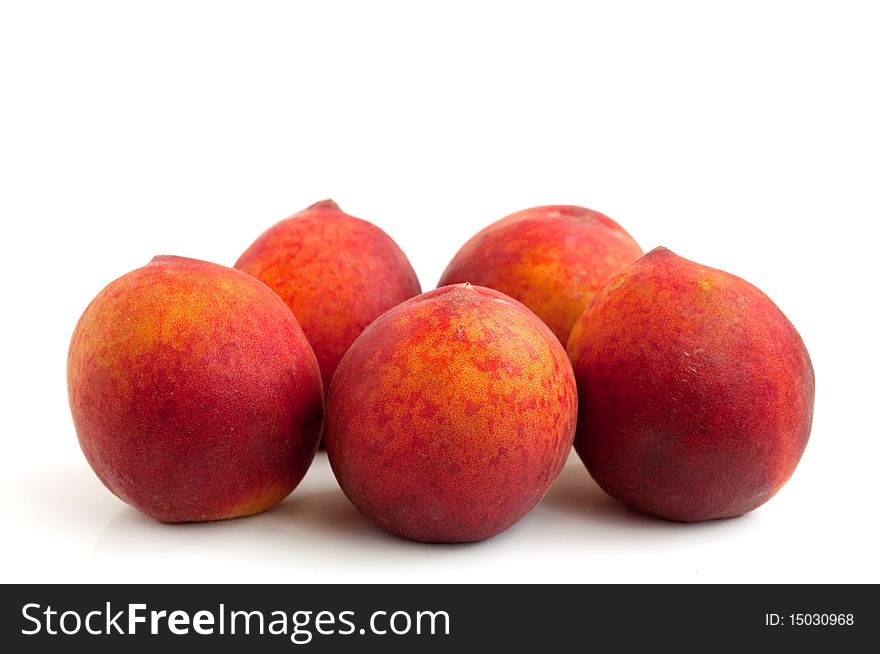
x: 809, y: 619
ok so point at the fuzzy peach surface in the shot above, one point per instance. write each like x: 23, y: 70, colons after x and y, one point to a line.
x: 696, y: 391
x: 552, y: 259
x: 336, y: 272
x: 194, y: 393
x: 451, y: 415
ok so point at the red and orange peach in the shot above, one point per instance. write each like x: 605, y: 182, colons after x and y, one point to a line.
x: 336, y: 272
x: 194, y: 392
x: 696, y: 392
x: 552, y: 259
x: 451, y: 415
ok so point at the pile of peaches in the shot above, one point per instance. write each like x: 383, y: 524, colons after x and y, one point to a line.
x: 201, y: 392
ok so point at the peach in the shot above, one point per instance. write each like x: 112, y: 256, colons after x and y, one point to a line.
x: 552, y: 259
x: 696, y: 391
x: 194, y: 392
x: 336, y: 272
x: 451, y: 415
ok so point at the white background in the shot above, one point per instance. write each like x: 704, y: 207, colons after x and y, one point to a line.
x: 741, y: 135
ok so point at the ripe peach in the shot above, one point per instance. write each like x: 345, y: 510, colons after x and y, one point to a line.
x: 696, y: 391
x: 552, y: 259
x: 451, y: 415
x: 336, y: 272
x: 194, y: 392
